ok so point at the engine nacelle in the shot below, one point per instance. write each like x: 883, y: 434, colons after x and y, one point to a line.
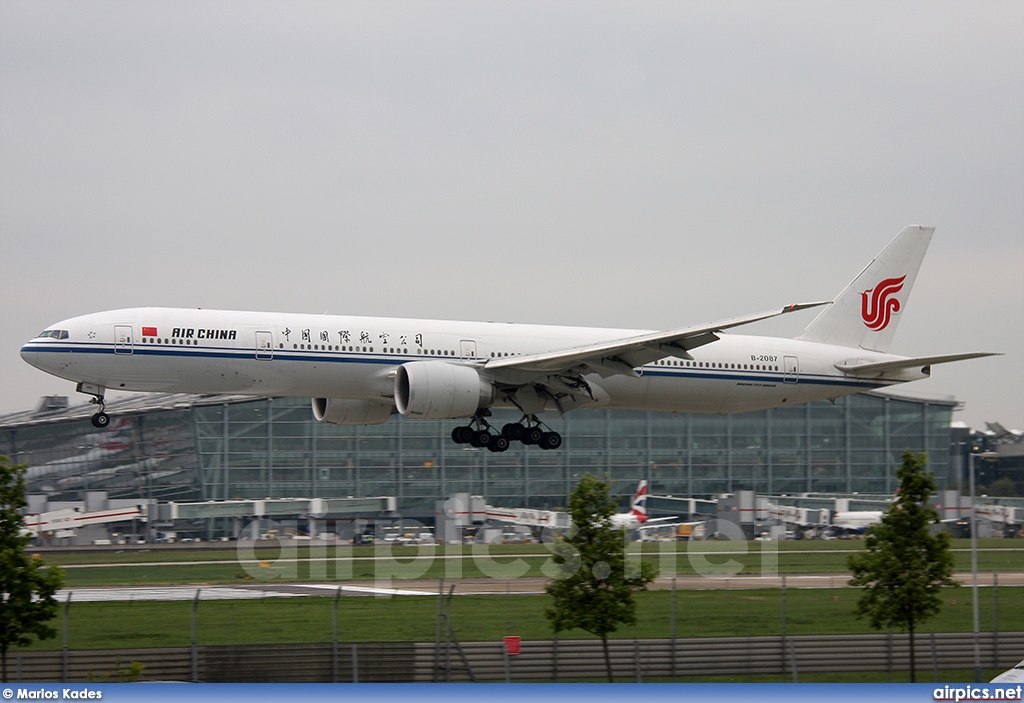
x: 439, y: 390
x: 343, y: 411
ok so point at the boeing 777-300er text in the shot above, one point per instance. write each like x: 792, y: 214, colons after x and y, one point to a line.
x: 361, y: 370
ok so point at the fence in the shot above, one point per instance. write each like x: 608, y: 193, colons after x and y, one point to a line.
x: 549, y: 660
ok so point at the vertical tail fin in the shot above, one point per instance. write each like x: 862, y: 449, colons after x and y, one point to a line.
x: 640, y: 503
x: 866, y: 313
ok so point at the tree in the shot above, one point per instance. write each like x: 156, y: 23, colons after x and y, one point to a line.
x: 1003, y: 487
x: 594, y: 588
x: 26, y: 588
x: 904, y: 566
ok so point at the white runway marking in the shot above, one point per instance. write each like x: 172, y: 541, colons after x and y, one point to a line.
x: 96, y: 595
x: 207, y: 593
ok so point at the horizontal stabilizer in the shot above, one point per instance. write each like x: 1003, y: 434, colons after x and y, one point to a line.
x: 877, y: 367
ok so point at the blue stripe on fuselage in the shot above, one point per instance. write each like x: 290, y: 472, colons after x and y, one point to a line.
x: 309, y: 356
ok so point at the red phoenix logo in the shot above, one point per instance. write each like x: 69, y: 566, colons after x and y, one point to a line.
x: 877, y: 305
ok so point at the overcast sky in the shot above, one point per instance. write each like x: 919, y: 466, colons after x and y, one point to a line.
x: 631, y: 164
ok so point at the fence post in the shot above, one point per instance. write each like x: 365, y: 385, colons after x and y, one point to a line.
x: 792, y: 656
x: 995, y: 622
x: 554, y: 646
x: 672, y: 652
x: 334, y: 637
x: 783, y: 627
x: 448, y: 636
x: 437, y: 628
x: 355, y: 663
x: 64, y: 654
x: 935, y: 659
x: 888, y: 649
x: 195, y: 651
x: 636, y: 662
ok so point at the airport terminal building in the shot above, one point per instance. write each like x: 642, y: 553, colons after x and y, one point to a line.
x: 202, y: 448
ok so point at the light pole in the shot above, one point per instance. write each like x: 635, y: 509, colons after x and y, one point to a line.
x: 974, y: 561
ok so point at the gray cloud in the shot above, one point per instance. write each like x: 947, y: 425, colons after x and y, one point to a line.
x: 630, y: 165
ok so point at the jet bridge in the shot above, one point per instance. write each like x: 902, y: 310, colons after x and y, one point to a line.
x: 70, y: 519
x: 277, y: 507
x: 255, y: 511
x: 463, y: 510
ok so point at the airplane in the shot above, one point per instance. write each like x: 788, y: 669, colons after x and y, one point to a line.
x: 855, y: 522
x: 362, y: 370
x: 637, y: 515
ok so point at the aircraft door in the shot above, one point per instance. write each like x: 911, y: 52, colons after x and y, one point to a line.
x: 468, y: 348
x: 123, y: 339
x: 790, y: 369
x: 265, y: 345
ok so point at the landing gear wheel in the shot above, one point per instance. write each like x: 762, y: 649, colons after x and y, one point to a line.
x: 481, y: 438
x: 513, y: 431
x: 550, y: 440
x: 100, y: 419
x: 462, y: 434
x: 498, y: 443
x: 532, y: 435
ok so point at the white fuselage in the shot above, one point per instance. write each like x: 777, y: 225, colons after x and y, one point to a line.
x: 857, y: 520
x: 328, y: 356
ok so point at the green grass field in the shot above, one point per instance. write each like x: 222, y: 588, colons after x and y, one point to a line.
x: 302, y: 563
x: 412, y: 618
x: 270, y: 621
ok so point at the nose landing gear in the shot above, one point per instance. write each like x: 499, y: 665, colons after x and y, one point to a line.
x: 100, y: 419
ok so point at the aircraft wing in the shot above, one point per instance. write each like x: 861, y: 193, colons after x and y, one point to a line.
x: 660, y: 522
x: 697, y: 533
x: 622, y: 356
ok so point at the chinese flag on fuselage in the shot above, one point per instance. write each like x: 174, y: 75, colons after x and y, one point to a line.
x: 149, y: 331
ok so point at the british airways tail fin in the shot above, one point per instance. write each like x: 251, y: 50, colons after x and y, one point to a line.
x: 866, y: 313
x: 639, y: 507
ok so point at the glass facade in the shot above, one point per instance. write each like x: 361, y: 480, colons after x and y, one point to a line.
x: 215, y: 449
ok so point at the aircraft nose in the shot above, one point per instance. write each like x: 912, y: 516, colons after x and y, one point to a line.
x: 30, y: 355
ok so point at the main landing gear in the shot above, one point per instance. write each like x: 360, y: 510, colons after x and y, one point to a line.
x: 479, y: 433
x: 100, y: 419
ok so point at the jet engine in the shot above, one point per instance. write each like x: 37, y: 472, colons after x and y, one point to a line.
x: 343, y: 411
x: 439, y: 390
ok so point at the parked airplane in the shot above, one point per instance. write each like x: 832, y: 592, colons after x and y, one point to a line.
x: 361, y: 370
x: 856, y: 522
x: 637, y: 514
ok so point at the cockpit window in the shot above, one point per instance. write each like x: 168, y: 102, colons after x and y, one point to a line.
x: 53, y: 334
